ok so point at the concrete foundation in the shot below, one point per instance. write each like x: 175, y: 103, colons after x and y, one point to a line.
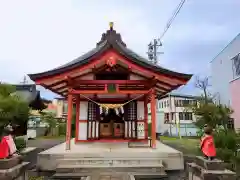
x: 86, y: 159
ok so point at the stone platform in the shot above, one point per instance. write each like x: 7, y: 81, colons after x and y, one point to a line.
x: 203, y: 169
x: 87, y: 158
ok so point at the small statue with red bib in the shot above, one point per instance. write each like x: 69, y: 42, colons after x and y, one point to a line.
x: 207, y: 143
x: 7, y: 144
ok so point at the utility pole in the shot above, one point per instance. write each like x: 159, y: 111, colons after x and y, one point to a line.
x: 153, y: 50
x: 24, y: 80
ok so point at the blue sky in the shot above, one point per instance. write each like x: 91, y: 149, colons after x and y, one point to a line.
x: 39, y: 35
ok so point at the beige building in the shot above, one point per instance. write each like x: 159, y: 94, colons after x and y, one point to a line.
x: 61, y: 107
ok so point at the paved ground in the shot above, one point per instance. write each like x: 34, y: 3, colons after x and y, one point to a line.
x: 44, y: 144
x: 41, y: 145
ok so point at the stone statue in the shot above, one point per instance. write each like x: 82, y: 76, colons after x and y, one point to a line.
x: 207, y: 143
x: 7, y: 144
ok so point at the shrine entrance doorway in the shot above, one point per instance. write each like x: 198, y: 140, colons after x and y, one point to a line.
x: 111, y: 125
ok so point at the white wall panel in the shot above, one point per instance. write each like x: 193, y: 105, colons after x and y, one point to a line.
x: 140, y: 110
x: 83, y: 110
x: 82, y: 133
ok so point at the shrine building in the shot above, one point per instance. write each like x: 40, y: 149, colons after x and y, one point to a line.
x: 111, y: 86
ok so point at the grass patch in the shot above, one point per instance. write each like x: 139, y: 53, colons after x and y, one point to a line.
x: 185, y: 145
x: 52, y: 137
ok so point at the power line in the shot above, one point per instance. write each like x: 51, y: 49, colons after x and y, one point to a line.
x: 153, y: 46
x: 174, y: 15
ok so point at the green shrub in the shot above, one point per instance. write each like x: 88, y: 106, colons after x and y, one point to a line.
x: 226, y: 140
x: 200, y: 132
x: 20, y: 143
x: 225, y: 154
x: 62, y: 129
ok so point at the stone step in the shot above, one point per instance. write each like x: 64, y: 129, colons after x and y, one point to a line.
x: 70, y: 176
x: 139, y: 144
x: 215, y: 164
x: 130, y: 170
x: 198, y: 171
x: 110, y: 162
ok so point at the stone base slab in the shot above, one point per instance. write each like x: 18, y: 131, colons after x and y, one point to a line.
x: 15, y: 172
x: 215, y: 164
x: 110, y: 155
x: 197, y: 172
x: 10, y: 162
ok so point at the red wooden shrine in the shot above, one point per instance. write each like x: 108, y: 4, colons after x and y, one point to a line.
x: 107, y: 80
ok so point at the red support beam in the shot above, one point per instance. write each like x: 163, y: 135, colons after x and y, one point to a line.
x: 77, y: 117
x: 153, y: 118
x: 69, y: 123
x: 103, y: 82
x: 106, y: 92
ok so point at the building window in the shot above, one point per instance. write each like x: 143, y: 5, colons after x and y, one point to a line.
x: 166, y: 117
x: 165, y: 104
x: 180, y: 116
x: 65, y: 107
x: 230, y: 124
x: 185, y: 116
x: 236, y: 65
x: 172, y: 116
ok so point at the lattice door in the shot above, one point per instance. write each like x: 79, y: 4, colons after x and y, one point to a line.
x: 130, y: 112
x: 93, y: 121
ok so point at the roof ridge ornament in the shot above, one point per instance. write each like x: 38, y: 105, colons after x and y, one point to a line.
x: 111, y: 24
x: 111, y: 36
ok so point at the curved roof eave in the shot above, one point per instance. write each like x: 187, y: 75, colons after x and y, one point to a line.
x: 84, y: 59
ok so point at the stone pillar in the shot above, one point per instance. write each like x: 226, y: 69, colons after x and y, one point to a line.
x: 13, y: 168
x: 203, y: 169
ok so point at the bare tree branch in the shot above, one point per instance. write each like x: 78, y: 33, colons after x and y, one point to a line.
x: 203, y: 84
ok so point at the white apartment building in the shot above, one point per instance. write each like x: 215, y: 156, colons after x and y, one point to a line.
x: 174, y: 108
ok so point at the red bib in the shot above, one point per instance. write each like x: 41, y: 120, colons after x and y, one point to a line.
x: 207, y: 146
x: 4, y: 148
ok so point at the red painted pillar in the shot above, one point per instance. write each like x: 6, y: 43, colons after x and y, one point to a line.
x: 69, y: 123
x: 153, y: 117
x: 146, y: 116
x: 77, y: 117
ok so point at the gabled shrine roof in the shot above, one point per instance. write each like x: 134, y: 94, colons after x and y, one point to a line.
x: 113, y: 40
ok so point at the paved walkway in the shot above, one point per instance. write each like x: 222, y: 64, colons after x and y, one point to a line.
x: 41, y: 145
